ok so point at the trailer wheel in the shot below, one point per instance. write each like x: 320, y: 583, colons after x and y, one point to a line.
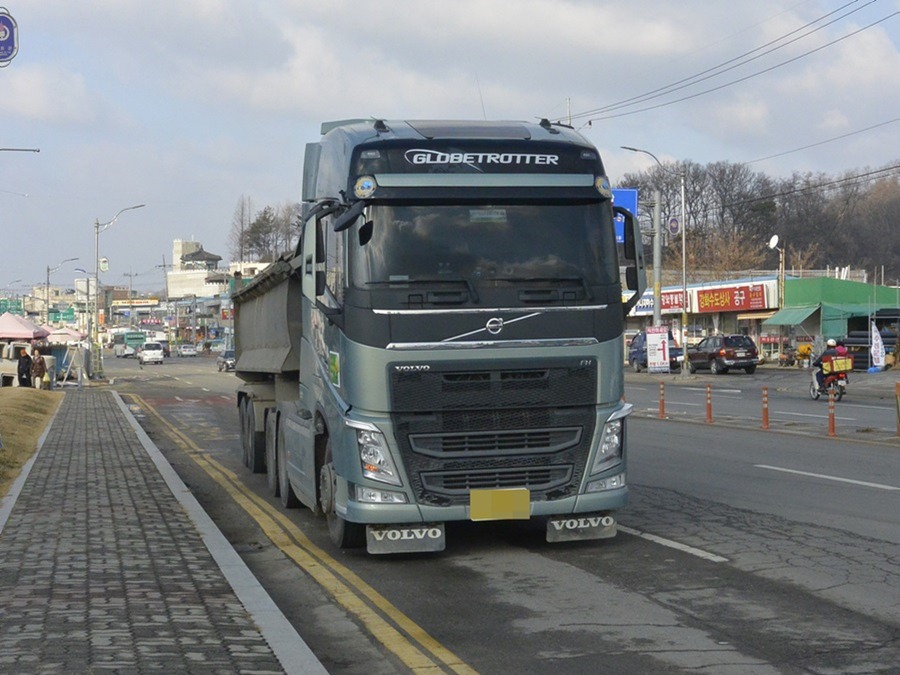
x: 272, y: 431
x: 245, y: 443
x: 343, y: 534
x: 256, y: 443
x: 286, y: 492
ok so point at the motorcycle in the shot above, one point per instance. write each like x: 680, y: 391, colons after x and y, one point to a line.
x: 835, y: 382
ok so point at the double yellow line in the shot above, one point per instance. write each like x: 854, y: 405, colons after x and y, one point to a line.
x: 393, y: 629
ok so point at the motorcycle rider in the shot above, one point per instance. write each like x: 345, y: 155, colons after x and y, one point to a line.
x: 831, y: 350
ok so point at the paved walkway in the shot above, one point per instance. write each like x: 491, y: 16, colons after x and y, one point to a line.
x: 108, y: 564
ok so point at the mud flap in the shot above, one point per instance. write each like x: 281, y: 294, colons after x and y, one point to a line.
x: 411, y: 538
x: 580, y: 526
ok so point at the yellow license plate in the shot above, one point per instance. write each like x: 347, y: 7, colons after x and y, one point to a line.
x: 509, y: 504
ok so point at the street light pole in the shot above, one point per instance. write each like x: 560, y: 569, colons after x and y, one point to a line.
x: 683, y: 225
x: 98, y: 228
x: 47, y: 288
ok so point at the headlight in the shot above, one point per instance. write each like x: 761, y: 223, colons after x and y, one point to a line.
x: 374, y: 456
x: 609, y: 449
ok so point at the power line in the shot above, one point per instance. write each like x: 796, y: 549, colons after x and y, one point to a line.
x: 742, y: 79
x: 829, y: 140
x: 719, y: 69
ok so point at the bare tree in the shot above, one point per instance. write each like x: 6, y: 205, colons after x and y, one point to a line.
x: 240, y: 223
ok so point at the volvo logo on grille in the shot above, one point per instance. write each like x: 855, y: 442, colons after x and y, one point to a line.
x: 494, y: 326
x: 412, y: 369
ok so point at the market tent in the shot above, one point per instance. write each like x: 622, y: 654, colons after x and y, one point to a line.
x: 15, y: 327
x: 791, y: 316
x: 64, y: 336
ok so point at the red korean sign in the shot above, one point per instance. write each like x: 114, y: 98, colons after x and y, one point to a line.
x: 732, y: 299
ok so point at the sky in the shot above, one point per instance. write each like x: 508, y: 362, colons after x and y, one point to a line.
x: 188, y: 106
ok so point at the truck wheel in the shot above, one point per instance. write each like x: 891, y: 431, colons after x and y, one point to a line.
x: 272, y: 432
x: 288, y: 497
x: 750, y: 370
x: 343, y: 534
x: 256, y: 443
x: 245, y: 444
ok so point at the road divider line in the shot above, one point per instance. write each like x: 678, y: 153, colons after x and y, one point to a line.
x: 684, y: 548
x: 797, y: 414
x: 878, y: 486
x: 325, y: 570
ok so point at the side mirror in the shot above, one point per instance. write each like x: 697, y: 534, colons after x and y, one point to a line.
x: 633, y: 252
x: 346, y: 219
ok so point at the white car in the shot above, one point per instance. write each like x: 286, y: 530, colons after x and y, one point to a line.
x: 151, y: 352
x: 187, y: 350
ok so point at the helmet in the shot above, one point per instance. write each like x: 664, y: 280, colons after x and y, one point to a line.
x: 831, y: 343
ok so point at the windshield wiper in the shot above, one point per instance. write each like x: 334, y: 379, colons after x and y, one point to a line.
x: 530, y: 280
x: 473, y: 294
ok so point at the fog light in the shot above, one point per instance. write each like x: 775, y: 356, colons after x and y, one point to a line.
x: 604, y: 484
x: 369, y: 495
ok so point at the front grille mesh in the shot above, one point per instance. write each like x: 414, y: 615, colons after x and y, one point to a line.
x: 495, y: 428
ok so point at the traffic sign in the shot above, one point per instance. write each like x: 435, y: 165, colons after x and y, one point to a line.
x: 9, y: 37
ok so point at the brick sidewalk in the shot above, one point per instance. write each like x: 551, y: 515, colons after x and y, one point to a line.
x: 103, y: 569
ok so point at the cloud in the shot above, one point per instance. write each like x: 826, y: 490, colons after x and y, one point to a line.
x: 46, y: 93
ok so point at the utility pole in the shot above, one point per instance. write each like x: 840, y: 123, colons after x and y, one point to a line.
x: 657, y: 258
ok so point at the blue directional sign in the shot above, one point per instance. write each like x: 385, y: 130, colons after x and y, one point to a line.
x: 9, y: 37
x: 627, y: 198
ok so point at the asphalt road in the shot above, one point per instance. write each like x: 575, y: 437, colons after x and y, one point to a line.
x: 742, y: 551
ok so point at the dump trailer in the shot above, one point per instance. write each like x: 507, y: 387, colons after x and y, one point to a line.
x: 445, y: 342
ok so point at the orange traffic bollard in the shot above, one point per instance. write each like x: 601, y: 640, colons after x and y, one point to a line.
x: 662, y: 400
x: 765, y: 419
x: 709, y: 418
x: 831, y: 412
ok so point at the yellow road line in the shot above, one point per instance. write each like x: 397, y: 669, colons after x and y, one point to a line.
x: 326, y: 571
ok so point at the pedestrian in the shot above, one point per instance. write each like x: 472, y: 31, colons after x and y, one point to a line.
x: 38, y: 370
x: 24, y: 370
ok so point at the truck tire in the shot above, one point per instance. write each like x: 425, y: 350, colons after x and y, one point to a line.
x: 285, y: 491
x: 255, y: 459
x: 343, y: 534
x: 272, y: 430
x: 242, y: 417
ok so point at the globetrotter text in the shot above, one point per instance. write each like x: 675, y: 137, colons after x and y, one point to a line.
x: 435, y: 157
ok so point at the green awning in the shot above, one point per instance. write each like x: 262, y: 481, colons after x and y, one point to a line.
x: 791, y: 316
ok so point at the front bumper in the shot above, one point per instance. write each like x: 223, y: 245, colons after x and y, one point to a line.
x: 610, y: 500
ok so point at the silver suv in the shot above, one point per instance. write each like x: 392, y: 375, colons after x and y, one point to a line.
x: 151, y: 352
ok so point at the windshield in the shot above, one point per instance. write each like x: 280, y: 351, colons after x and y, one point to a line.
x: 481, y: 244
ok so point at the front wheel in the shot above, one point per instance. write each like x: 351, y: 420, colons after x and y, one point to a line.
x: 343, y: 534
x: 814, y: 391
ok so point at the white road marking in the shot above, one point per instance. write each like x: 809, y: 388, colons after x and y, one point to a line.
x: 797, y: 414
x: 706, y: 555
x: 879, y: 486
